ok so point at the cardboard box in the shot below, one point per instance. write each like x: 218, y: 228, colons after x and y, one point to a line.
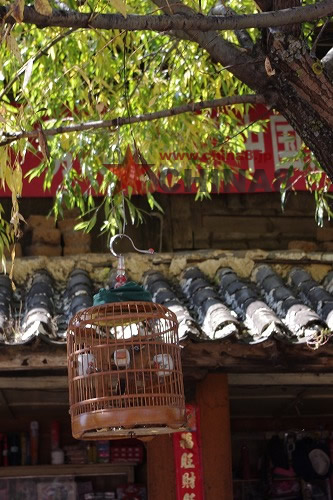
x: 22, y: 489
x: 51, y: 490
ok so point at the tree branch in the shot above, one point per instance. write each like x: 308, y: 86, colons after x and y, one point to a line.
x: 320, y: 34
x: 264, y: 5
x: 243, y: 36
x: 73, y: 19
x: 147, y: 117
x: 327, y: 62
x: 247, y: 67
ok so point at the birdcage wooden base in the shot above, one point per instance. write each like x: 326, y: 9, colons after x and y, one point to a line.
x: 144, y: 433
x: 116, y: 423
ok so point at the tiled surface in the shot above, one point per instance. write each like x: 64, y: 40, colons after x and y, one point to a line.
x: 41, y: 309
x: 297, y: 309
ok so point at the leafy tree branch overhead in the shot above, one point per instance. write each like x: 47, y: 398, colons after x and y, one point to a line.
x: 120, y: 121
x: 185, y: 19
x: 88, y: 77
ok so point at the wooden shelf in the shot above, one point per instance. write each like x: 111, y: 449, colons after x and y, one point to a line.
x: 69, y: 470
x: 253, y: 480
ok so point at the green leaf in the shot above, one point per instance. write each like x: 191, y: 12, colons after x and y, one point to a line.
x: 43, y: 7
x: 17, y: 10
x: 81, y: 226
x: 27, y: 73
x: 13, y: 47
x: 120, y: 6
x: 91, y: 223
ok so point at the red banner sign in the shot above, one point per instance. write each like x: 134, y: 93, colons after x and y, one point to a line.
x: 186, y: 445
x: 267, y: 156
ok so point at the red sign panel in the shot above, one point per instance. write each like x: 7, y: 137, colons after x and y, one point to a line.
x: 267, y: 156
x: 186, y: 445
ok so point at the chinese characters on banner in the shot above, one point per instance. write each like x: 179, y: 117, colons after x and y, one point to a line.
x: 186, y: 445
x: 272, y: 146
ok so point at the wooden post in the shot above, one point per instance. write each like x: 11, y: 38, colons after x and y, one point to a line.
x: 161, y: 479
x: 213, y: 400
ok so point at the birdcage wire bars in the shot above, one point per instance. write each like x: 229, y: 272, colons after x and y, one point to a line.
x: 124, y: 371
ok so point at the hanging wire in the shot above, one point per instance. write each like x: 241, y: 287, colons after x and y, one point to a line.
x: 118, y: 150
x: 121, y: 276
x: 124, y: 212
x: 127, y: 98
x: 122, y: 229
x: 113, y: 239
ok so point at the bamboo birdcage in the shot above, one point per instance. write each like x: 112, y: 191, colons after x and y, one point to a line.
x: 124, y: 371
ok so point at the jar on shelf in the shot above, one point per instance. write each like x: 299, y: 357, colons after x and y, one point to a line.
x: 103, y: 452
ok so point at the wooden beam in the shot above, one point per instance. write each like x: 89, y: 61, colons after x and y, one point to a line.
x: 291, y: 404
x: 213, y: 400
x: 197, y: 358
x: 37, y: 356
x: 33, y: 383
x: 306, y: 396
x: 39, y: 404
x: 280, y: 379
x: 126, y: 470
x: 161, y: 476
x: 4, y: 405
x: 261, y: 424
x: 235, y: 357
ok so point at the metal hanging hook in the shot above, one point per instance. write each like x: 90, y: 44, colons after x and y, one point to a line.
x: 113, y: 239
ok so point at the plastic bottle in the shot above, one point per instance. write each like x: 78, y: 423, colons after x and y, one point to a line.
x: 55, y: 433
x: 14, y: 452
x: 5, y: 451
x: 34, y: 434
x: 103, y: 452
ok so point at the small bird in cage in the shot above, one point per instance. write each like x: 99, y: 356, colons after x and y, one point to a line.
x: 123, y: 361
x: 148, y: 328
x: 85, y: 364
x: 140, y: 367
x: 122, y: 358
x: 164, y: 364
x: 130, y: 364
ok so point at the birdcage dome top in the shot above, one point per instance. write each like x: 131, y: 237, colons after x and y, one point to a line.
x: 121, y: 314
x: 130, y: 291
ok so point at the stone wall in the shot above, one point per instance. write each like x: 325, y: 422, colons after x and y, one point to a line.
x: 239, y: 222
x: 226, y: 221
x: 99, y: 266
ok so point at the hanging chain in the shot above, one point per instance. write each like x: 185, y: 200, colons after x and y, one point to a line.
x: 124, y: 212
x: 121, y: 230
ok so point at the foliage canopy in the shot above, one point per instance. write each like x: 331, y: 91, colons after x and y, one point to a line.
x: 54, y: 77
